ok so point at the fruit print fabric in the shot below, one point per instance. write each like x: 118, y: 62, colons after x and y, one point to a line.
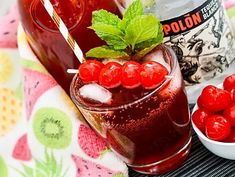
x: 54, y: 122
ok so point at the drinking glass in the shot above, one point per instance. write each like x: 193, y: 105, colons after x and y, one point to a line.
x: 152, y: 134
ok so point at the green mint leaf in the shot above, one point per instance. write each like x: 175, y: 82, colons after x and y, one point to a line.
x: 139, y: 55
x: 112, y: 35
x: 148, y: 43
x: 147, y: 46
x: 105, y: 17
x: 134, y: 10
x: 106, y: 52
x: 151, y: 42
x: 142, y: 28
x: 105, y: 24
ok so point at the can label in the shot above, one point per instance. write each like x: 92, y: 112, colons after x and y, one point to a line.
x: 203, y: 41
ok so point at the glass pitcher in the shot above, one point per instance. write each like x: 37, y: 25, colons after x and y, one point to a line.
x: 47, y: 42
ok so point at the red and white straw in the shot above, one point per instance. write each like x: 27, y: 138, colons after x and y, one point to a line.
x: 63, y: 29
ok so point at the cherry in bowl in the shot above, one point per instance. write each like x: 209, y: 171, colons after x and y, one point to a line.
x: 215, y: 127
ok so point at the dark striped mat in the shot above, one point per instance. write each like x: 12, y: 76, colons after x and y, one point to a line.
x: 201, y: 163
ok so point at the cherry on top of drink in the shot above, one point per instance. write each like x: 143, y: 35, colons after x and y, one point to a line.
x: 128, y: 40
x: 150, y: 74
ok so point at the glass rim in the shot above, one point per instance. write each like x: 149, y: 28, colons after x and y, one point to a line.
x: 112, y: 108
x: 40, y: 25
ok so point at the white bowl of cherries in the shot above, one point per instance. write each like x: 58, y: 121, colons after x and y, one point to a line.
x: 213, y: 118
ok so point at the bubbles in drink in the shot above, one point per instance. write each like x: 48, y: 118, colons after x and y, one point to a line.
x: 95, y: 93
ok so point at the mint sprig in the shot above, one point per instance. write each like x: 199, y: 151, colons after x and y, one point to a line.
x: 131, y: 37
x: 113, y: 36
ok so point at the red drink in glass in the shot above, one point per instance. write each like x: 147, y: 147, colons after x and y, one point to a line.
x: 47, y: 42
x: 149, y: 129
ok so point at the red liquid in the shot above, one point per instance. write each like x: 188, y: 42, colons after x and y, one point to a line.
x: 148, y: 131
x: 47, y: 42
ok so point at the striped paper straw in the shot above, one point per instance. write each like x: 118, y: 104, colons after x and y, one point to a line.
x: 63, y: 29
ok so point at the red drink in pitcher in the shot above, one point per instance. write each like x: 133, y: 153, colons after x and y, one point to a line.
x: 47, y: 42
x: 149, y: 129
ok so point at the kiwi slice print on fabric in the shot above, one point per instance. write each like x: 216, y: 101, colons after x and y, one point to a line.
x: 52, y: 128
